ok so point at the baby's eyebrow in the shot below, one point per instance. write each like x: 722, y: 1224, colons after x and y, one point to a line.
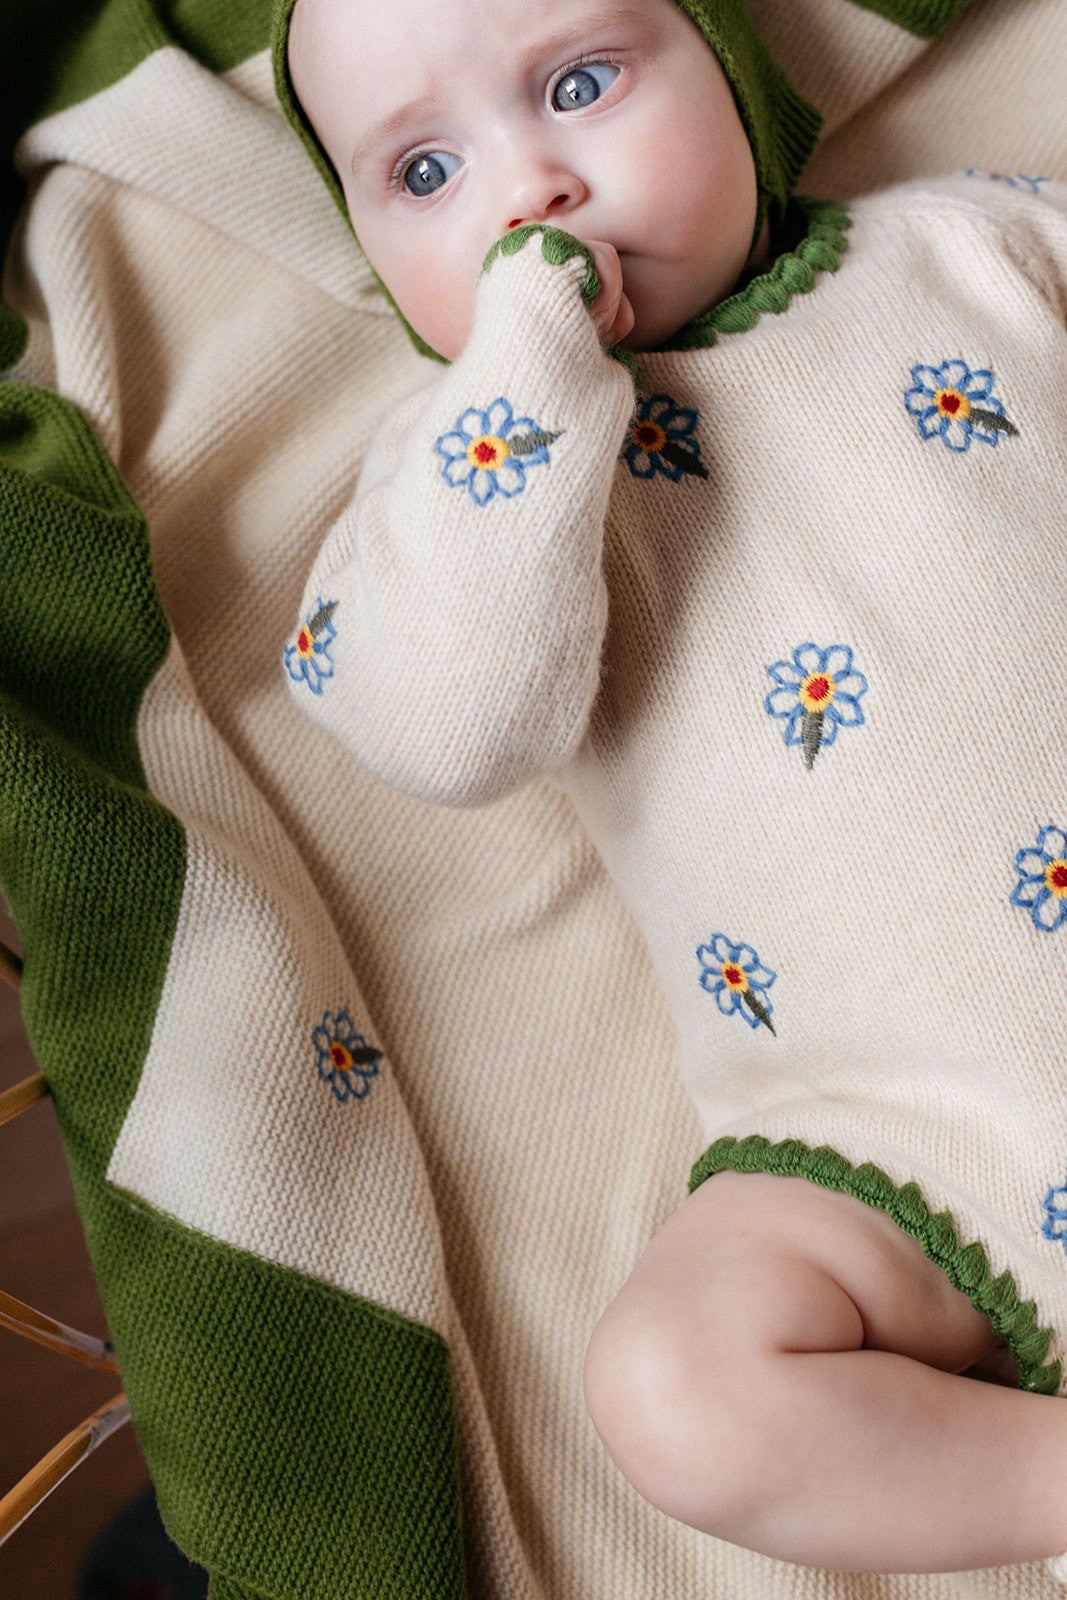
x: 391, y: 127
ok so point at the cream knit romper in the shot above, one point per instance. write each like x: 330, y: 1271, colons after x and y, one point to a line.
x: 789, y: 625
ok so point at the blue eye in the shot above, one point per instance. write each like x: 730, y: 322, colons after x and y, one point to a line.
x: 584, y: 85
x: 430, y: 172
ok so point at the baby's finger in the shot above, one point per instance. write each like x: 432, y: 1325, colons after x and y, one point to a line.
x: 623, y: 323
x: 605, y: 307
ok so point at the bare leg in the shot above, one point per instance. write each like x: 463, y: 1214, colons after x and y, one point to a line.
x: 783, y: 1369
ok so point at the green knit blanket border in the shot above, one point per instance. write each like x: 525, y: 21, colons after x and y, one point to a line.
x: 966, y: 1266
x: 303, y: 1441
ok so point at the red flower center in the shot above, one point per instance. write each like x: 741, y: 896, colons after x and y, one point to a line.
x: 340, y: 1057
x: 816, y: 692
x: 484, y: 453
x: 952, y: 404
x: 1056, y: 877
x: 303, y: 642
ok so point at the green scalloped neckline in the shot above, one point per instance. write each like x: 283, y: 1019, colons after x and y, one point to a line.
x: 966, y: 1266
x: 822, y: 225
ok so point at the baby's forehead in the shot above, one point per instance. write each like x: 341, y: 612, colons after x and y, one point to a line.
x: 365, y: 74
x: 464, y: 19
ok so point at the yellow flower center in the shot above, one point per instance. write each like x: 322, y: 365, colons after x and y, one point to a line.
x: 1056, y: 879
x: 733, y: 977
x: 340, y: 1057
x: 305, y: 644
x: 487, y: 452
x: 648, y: 436
x: 816, y: 692
x: 951, y: 403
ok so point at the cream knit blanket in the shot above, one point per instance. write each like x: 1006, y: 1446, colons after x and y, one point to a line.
x: 397, y: 1057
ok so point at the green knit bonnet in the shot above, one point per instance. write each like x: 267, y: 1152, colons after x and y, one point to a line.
x: 782, y: 127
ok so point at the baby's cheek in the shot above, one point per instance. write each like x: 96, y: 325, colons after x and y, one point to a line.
x: 440, y: 311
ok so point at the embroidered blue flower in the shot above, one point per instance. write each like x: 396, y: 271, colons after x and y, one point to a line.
x: 734, y: 974
x: 345, y: 1060
x: 490, y: 452
x: 1042, y: 885
x: 662, y: 439
x: 955, y: 404
x: 1015, y: 180
x: 1054, y: 1226
x: 818, y: 692
x: 308, y: 660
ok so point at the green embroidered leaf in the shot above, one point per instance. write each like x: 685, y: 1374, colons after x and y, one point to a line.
x: 365, y: 1055
x: 317, y: 623
x: 992, y: 422
x: 524, y: 444
x: 813, y: 721
x: 756, y: 1005
x: 684, y: 460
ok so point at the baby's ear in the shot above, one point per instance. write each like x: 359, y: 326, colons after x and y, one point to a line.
x: 557, y: 248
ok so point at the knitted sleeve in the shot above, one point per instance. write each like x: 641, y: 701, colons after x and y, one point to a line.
x: 1026, y: 217
x: 1038, y: 239
x: 451, y: 627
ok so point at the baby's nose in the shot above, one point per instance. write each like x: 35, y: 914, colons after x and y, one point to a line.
x: 552, y: 194
x: 541, y: 213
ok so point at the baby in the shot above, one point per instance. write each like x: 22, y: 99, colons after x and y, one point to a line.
x: 787, y: 624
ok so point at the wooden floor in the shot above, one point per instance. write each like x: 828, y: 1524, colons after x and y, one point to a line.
x: 43, y: 1260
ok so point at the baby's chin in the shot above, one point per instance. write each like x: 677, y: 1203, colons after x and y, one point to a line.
x: 653, y: 332
x: 659, y: 317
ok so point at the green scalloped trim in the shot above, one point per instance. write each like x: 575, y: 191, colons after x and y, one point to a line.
x: 823, y: 224
x: 966, y: 1266
x: 556, y: 247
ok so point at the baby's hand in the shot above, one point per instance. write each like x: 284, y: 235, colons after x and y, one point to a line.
x: 611, y: 311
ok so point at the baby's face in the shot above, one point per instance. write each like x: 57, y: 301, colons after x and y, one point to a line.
x: 451, y: 121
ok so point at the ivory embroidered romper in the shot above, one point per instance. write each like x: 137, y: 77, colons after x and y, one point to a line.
x: 786, y: 619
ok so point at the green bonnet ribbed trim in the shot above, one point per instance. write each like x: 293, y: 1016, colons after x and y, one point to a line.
x: 924, y: 18
x: 783, y: 128
x: 966, y: 1266
x: 823, y: 242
